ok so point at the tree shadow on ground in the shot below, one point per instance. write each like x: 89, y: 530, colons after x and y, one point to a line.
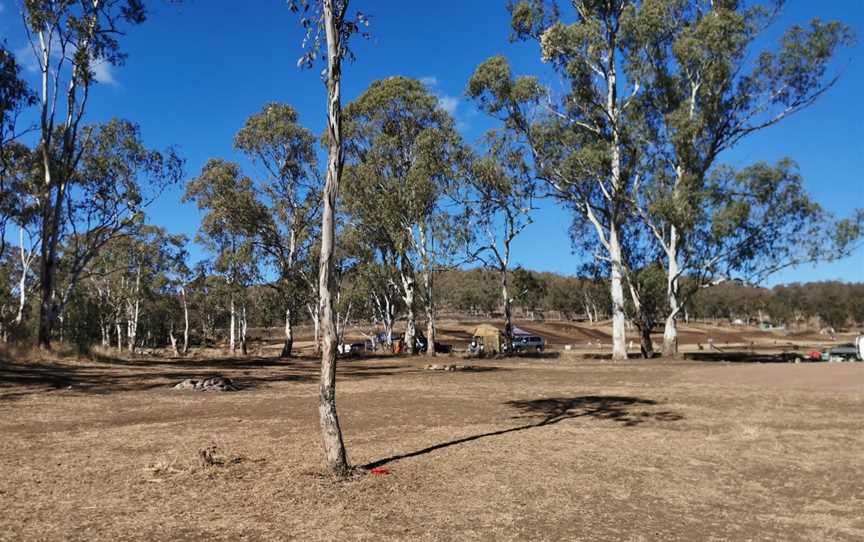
x: 546, y: 354
x: 743, y: 357
x: 624, y: 410
x: 106, y: 374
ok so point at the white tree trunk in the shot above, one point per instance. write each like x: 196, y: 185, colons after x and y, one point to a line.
x: 331, y: 432
x: 289, y: 336
x: 173, y: 339
x: 619, y: 331
x: 508, y: 311
x: 670, y: 330
x: 386, y: 313
x: 26, y: 261
x: 133, y: 307
x: 232, y: 345
x: 430, y: 313
x: 185, y: 321
x: 243, y: 327
x: 410, y: 315
x: 315, y: 314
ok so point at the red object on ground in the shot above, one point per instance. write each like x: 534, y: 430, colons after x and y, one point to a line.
x: 380, y: 471
x: 815, y: 355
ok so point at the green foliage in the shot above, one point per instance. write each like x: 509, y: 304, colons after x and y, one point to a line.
x: 227, y: 196
x: 803, y: 305
x: 311, y: 14
x: 704, y: 93
x: 87, y: 31
x: 287, y: 198
x: 15, y: 95
x: 403, y: 154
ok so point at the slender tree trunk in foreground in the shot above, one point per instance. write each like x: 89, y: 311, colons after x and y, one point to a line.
x: 331, y: 432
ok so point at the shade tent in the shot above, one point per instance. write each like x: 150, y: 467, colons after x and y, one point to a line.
x: 489, y: 337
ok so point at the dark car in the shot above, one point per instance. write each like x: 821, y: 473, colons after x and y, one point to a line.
x: 442, y: 348
x: 528, y: 343
x: 421, y: 344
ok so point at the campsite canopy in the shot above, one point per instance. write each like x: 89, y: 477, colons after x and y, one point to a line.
x: 489, y: 336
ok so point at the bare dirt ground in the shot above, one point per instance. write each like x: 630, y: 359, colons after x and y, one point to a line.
x: 552, y: 449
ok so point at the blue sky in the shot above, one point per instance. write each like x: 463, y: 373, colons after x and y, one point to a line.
x: 197, y: 70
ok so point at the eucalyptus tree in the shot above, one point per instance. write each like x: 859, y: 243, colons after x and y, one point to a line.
x: 708, y: 86
x: 647, y: 290
x: 289, y: 194
x: 18, y: 219
x: 68, y: 41
x: 377, y: 272
x: 329, y: 27
x: 585, y: 144
x: 15, y: 97
x: 204, y: 302
x: 178, y: 277
x: 377, y: 279
x: 498, y: 199
x: 228, y: 198
x: 114, y: 179
x: 403, y: 153
x: 15, y: 207
x: 129, y: 270
x: 167, y: 280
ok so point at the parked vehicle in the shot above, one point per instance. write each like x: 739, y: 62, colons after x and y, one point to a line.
x: 442, y: 348
x: 353, y: 348
x: 845, y: 352
x: 528, y: 343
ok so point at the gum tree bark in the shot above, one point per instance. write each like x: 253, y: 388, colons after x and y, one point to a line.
x: 232, y: 328
x: 288, y: 345
x: 428, y: 284
x: 331, y: 432
x: 408, y: 286
x: 185, y: 321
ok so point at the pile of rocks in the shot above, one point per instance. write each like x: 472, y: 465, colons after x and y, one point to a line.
x: 449, y: 367
x: 213, y: 383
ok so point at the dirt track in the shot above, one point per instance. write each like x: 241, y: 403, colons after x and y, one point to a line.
x: 542, y: 450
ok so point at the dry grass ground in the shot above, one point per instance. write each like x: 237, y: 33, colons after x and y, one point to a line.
x: 557, y: 449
